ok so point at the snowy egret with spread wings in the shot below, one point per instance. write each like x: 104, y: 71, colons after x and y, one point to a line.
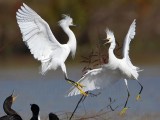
x: 42, y: 43
x: 116, y: 69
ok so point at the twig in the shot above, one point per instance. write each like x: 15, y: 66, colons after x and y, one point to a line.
x: 109, y: 105
x: 76, y: 107
x: 111, y: 102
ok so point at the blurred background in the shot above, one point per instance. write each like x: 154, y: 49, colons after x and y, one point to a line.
x: 91, y: 17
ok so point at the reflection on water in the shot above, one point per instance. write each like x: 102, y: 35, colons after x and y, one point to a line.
x: 49, y: 92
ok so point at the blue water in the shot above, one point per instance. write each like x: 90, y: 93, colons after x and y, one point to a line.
x: 49, y: 92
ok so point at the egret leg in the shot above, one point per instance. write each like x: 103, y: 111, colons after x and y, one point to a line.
x: 139, y: 94
x: 123, y: 111
x: 77, y: 85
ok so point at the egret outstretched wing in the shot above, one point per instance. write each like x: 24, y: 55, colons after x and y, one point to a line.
x: 36, y: 34
x: 95, y: 79
x: 130, y: 35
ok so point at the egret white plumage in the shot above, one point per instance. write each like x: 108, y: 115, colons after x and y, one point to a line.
x: 42, y: 43
x: 116, y: 69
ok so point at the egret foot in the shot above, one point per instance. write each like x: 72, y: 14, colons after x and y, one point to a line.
x: 78, y: 86
x: 123, y: 111
x: 82, y: 91
x: 138, y: 97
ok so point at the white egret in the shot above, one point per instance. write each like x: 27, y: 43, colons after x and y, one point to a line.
x: 115, y: 70
x: 42, y: 43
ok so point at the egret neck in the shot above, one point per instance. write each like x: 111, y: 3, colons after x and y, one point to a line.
x: 72, y: 40
x: 111, y: 51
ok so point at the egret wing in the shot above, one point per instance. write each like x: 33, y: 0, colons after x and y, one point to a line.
x: 37, y: 34
x: 95, y: 79
x: 130, y: 35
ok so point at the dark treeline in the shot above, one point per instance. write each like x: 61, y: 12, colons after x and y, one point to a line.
x: 91, y: 18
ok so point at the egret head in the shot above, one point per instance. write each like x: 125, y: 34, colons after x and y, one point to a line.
x: 110, y: 36
x: 66, y: 21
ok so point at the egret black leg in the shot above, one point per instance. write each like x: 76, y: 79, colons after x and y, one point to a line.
x: 141, y: 87
x: 139, y: 95
x: 77, y: 85
x: 70, y: 81
x: 127, y: 98
x: 123, y: 111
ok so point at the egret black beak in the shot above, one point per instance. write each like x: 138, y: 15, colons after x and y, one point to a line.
x: 73, y: 25
x: 107, y: 41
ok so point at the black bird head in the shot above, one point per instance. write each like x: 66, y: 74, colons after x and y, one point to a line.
x: 8, y: 103
x: 35, y: 109
x: 9, y: 100
x: 53, y: 116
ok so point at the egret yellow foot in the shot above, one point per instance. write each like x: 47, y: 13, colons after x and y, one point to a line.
x: 78, y: 86
x: 138, y: 97
x: 123, y: 111
x: 75, y: 83
x: 81, y: 90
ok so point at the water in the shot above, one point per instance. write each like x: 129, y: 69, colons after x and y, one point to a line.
x: 49, y: 92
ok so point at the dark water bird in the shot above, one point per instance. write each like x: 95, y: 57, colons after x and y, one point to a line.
x: 35, y: 112
x: 11, y: 114
x: 53, y: 116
